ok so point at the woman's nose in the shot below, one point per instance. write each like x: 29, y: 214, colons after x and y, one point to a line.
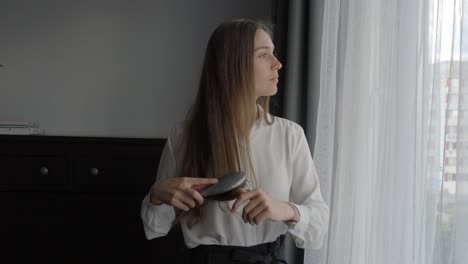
x: 277, y: 64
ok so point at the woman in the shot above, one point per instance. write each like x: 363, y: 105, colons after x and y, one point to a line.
x: 229, y: 128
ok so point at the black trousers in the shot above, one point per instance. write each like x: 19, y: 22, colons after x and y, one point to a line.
x: 268, y: 253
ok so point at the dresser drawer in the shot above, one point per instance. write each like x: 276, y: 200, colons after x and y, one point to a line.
x: 33, y: 172
x: 127, y: 174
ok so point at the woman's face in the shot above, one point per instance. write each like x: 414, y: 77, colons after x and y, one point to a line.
x: 266, y: 65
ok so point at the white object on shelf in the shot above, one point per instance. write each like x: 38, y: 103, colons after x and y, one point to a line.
x: 18, y: 124
x: 21, y: 131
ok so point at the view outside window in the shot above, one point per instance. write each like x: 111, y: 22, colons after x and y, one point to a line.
x: 450, y: 68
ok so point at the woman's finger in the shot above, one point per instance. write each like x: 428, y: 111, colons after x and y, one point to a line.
x: 178, y: 204
x: 243, y: 197
x: 197, y: 181
x: 254, y: 212
x: 261, y: 216
x: 200, y: 186
x: 185, y: 198
x: 195, y: 195
x: 251, y: 205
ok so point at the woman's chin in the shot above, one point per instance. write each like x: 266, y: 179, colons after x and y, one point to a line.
x: 268, y: 92
x: 273, y: 91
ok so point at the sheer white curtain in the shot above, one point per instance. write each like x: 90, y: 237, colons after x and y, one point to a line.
x: 392, y: 131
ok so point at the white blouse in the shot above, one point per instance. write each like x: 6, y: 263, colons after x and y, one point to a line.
x: 285, y: 171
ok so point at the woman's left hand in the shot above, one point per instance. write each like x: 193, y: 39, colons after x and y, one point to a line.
x: 260, y: 207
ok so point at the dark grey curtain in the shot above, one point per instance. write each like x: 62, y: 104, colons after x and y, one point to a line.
x: 298, y: 39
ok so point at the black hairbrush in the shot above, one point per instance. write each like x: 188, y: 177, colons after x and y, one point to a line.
x: 226, y: 188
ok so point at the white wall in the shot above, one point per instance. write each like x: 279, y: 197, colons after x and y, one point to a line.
x: 107, y: 68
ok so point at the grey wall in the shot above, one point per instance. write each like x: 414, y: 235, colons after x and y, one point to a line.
x: 107, y: 68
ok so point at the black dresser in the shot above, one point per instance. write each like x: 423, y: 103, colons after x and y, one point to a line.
x: 77, y: 200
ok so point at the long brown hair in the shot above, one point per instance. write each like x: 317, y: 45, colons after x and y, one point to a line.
x: 216, y: 136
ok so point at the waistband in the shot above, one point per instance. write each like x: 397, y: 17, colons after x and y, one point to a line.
x: 269, y: 253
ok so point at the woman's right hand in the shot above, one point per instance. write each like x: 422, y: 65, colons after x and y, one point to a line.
x: 180, y: 192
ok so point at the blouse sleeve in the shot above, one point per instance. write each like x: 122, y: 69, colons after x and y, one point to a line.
x: 157, y: 219
x: 312, y: 226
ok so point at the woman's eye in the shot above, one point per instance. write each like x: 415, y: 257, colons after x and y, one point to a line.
x: 263, y: 55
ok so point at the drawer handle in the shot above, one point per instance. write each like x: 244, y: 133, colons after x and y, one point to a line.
x: 44, y: 170
x: 94, y: 171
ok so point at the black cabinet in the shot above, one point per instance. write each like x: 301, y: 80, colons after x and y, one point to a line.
x: 77, y: 200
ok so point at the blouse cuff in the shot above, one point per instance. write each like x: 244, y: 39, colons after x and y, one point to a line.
x: 157, y: 219
x: 299, y: 229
